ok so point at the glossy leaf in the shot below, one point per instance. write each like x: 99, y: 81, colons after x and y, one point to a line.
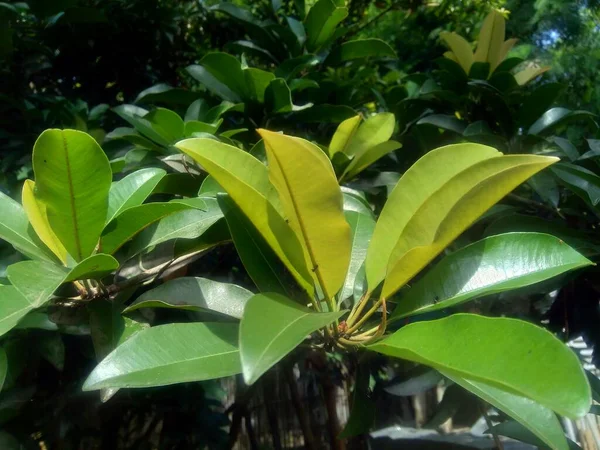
x: 278, y: 97
x: 515, y: 430
x: 132, y: 190
x: 36, y: 280
x: 246, y: 180
x: 583, y: 182
x: 321, y: 21
x: 261, y: 263
x: 343, y: 135
x: 135, y: 116
x: 361, y: 227
x: 490, y: 266
x: 167, y: 123
x: 556, y: 117
x: 539, y: 420
x: 447, y: 213
x: 13, y: 307
x: 373, y: 131
x: 169, y: 354
x: 271, y: 327
x: 195, y: 294
x: 93, y: 267
x: 314, y: 209
x: 133, y: 220
x: 360, y: 48
x: 509, y: 354
x: 370, y: 156
x: 222, y: 74
x: 16, y: 230
x: 186, y: 224
x: 73, y: 178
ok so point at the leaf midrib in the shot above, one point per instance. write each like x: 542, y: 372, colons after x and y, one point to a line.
x: 72, y: 197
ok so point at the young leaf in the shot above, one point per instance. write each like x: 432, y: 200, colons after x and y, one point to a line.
x: 169, y: 354
x: 314, y: 209
x: 361, y: 227
x: 271, y: 327
x: 36, y: 213
x: 246, y: 180
x: 447, y: 213
x: 132, y: 190
x: 93, y: 268
x: 510, y: 354
x: 321, y: 21
x: 539, y: 420
x: 460, y: 48
x: 373, y: 131
x: 343, y: 135
x: 491, y: 39
x: 36, y: 280
x: 195, y: 294
x: 365, y: 159
x: 13, y: 307
x: 73, y: 178
x: 16, y: 230
x: 133, y: 220
x: 490, y: 266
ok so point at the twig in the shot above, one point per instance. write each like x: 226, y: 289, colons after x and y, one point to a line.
x: 373, y: 20
x: 490, y: 425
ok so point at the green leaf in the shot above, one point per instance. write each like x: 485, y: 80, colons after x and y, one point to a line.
x: 278, y: 97
x: 195, y: 294
x: 167, y: 123
x: 36, y: 280
x: 343, y: 135
x: 360, y: 48
x: 490, y: 266
x: 194, y: 126
x: 364, y: 160
x: 260, y: 261
x: 583, y: 182
x: 556, y: 117
x: 132, y: 190
x: 13, y: 307
x: 133, y: 220
x: 321, y: 22
x: 246, y: 180
x: 271, y: 327
x: 510, y: 354
x: 536, y: 103
x: 415, y: 381
x: 222, y: 74
x: 257, y: 82
x: 324, y: 114
x: 187, y: 224
x: 93, y: 267
x: 16, y: 230
x: 448, y: 212
x: 73, y: 178
x: 169, y: 354
x: 515, y: 430
x: 38, y: 218
x: 445, y: 122
x: 544, y: 185
x: 361, y: 228
x: 3, y: 366
x: 538, y: 419
x: 491, y: 40
x: 52, y: 348
x: 373, y: 131
x: 135, y: 116
x: 132, y: 136
x: 314, y: 209
x: 362, y: 413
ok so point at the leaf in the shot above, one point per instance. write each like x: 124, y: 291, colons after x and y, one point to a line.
x: 271, y: 327
x: 361, y: 228
x: 321, y: 21
x: 16, y: 230
x: 538, y: 419
x: 186, y: 224
x: 93, y: 267
x: 460, y: 48
x: 583, y: 182
x: 246, y: 180
x: 167, y: 123
x: 52, y: 348
x: 3, y: 367
x: 373, y: 131
x: 36, y: 280
x: 540, y: 100
x: 367, y: 158
x: 490, y: 266
x: 360, y: 48
x: 343, y: 135
x: 528, y: 74
x: 455, y: 398
x: 169, y: 354
x: 36, y: 213
x: 556, y: 117
x: 13, y: 307
x: 362, y: 413
x: 132, y: 190
x: 135, y: 116
x: 261, y: 263
x: 443, y: 182
x: 445, y: 122
x: 416, y: 381
x: 447, y: 213
x: 324, y: 114
x: 314, y: 209
x: 509, y: 354
x: 222, y: 74
x: 256, y: 82
x: 73, y: 178
x: 491, y: 40
x: 133, y: 220
x: 195, y: 294
x: 515, y: 430
x: 544, y: 185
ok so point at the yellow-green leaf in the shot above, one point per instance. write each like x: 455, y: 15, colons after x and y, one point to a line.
x: 365, y: 159
x: 506, y: 47
x: 343, y: 135
x: 246, y: 180
x: 491, y: 38
x: 417, y: 184
x: 461, y: 49
x: 451, y: 210
x: 312, y: 202
x: 373, y: 131
x: 528, y: 74
x: 36, y: 213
